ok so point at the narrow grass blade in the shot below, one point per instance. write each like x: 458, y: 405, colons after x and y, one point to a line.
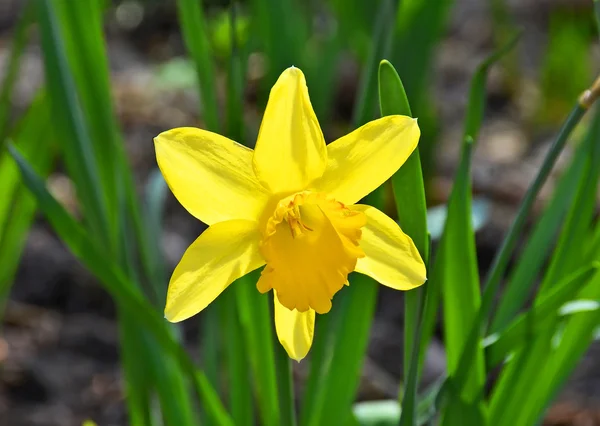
x: 502, y: 257
x: 154, y: 200
x: 592, y: 245
x: 149, y: 260
x: 235, y: 83
x: 286, y: 386
x: 166, y: 379
x: 392, y: 99
x: 577, y: 336
x: 569, y: 252
x: 194, y: 31
x: 210, y: 334
x: 138, y: 384
x: 158, y: 374
x: 256, y: 321
x: 282, y: 43
x: 420, y: 24
x: 409, y: 194
x: 355, y: 23
x: 236, y: 360
x: 31, y: 135
x: 535, y: 363
x: 127, y: 295
x: 540, y: 242
x: 476, y: 104
x: 83, y: 41
x: 169, y: 381
x: 337, y: 390
x: 321, y: 72
x: 17, y: 207
x: 527, y: 325
x: 352, y: 28
x: 364, y: 109
x: 169, y: 378
x: 74, y: 135
x: 456, y: 270
x: 459, y: 280
x: 320, y: 360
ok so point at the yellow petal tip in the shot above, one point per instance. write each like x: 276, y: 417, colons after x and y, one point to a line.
x: 295, y: 73
x: 175, y: 315
x: 171, y: 318
x: 294, y: 70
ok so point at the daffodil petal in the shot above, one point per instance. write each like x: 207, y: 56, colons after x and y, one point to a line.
x: 294, y: 329
x: 362, y: 160
x: 390, y: 255
x: 220, y: 255
x: 290, y: 150
x: 210, y: 175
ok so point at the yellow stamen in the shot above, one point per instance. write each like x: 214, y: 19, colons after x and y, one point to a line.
x: 310, y: 244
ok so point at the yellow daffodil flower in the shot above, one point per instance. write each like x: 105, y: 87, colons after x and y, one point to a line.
x: 288, y: 204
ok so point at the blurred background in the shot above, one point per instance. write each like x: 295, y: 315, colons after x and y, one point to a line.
x: 59, y: 344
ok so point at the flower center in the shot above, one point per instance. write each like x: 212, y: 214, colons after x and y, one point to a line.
x: 310, y: 244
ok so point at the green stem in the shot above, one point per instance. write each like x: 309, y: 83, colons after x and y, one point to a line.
x: 504, y: 253
x: 408, y: 415
x: 286, y: 386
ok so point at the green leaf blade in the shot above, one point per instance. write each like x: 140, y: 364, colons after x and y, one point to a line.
x: 409, y: 195
x: 74, y: 134
x: 194, y: 29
